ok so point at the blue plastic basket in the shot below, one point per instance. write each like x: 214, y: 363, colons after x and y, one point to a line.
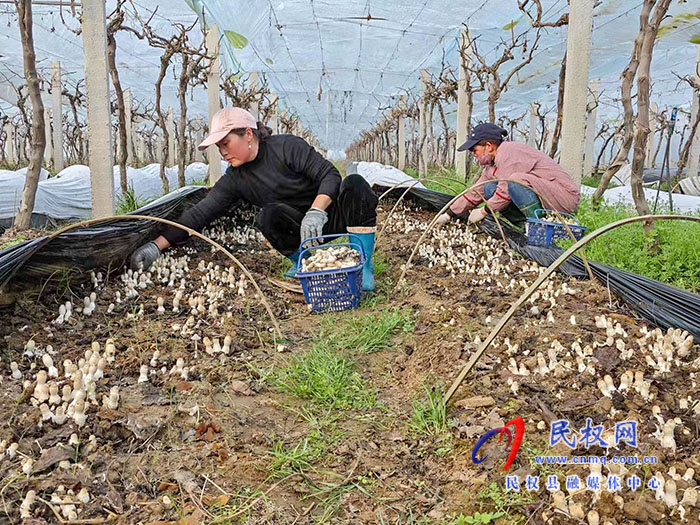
x: 332, y: 290
x: 544, y: 233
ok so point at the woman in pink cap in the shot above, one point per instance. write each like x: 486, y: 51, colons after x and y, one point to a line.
x: 300, y: 194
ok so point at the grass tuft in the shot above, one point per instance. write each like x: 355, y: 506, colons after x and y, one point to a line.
x: 327, y: 378
x: 128, y: 202
x: 365, y: 333
x: 429, y: 416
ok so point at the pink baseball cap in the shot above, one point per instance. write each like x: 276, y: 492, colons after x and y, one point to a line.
x: 224, y: 121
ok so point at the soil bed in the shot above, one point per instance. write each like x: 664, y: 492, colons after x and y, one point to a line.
x: 332, y: 423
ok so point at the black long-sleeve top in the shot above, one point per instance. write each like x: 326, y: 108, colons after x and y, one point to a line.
x: 287, y: 169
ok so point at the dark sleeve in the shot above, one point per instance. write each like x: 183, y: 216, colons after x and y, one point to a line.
x: 300, y: 156
x: 217, y: 202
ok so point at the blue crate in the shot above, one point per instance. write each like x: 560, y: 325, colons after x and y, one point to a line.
x: 332, y: 290
x: 544, y: 233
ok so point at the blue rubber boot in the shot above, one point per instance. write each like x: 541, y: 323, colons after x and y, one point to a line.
x: 367, y: 241
x: 294, y: 257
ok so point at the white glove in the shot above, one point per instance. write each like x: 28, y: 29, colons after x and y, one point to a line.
x: 312, y: 223
x: 443, y: 219
x: 477, y: 214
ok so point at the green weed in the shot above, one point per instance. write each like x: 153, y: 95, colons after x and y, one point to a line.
x: 676, y: 261
x: 503, y: 500
x: 429, y: 416
x: 365, y: 333
x: 128, y: 202
x: 296, y: 459
x: 327, y: 378
x: 17, y: 240
x: 477, y: 517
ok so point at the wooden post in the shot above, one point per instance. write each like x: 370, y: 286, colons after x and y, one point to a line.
x: 141, y: 149
x: 578, y: 46
x: 199, y: 137
x: 423, y: 126
x: 274, y: 120
x: 100, y: 154
x: 464, y: 105
x: 170, y: 126
x: 550, y: 135
x: 532, y: 132
x: 651, y: 140
x: 401, y: 164
x: 48, y: 149
x: 57, y: 110
x: 694, y: 153
x: 589, y: 152
x: 214, y: 100
x: 129, y: 127
x: 10, y: 146
x: 255, y: 106
x: 159, y: 149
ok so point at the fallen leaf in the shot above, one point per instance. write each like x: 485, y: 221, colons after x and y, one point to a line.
x: 219, y: 501
x: 241, y: 387
x: 183, y: 386
x: 53, y: 455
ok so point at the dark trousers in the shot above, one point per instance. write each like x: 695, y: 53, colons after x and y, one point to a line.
x: 356, y: 206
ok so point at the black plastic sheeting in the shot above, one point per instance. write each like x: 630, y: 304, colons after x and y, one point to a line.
x: 105, y: 245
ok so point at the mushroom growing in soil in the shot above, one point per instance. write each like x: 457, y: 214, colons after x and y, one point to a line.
x: 25, y: 509
x: 16, y: 374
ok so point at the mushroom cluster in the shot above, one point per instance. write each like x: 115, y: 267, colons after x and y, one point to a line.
x: 331, y: 258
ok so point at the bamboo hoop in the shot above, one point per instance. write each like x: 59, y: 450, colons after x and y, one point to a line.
x: 542, y: 278
x: 216, y: 245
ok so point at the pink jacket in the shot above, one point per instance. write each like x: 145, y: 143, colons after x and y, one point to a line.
x: 523, y: 163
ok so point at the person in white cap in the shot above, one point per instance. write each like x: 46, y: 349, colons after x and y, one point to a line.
x: 300, y: 193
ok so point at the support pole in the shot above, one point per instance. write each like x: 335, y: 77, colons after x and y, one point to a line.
x: 100, y: 153
x: 578, y: 46
x: 274, y: 118
x: 142, y: 149
x: 401, y: 164
x: 694, y: 153
x: 213, y: 99
x: 255, y: 106
x: 423, y: 126
x: 464, y: 109
x: 589, y: 152
x: 129, y: 128
x: 651, y: 140
x: 199, y: 137
x: 10, y: 147
x: 57, y: 110
x: 550, y: 135
x: 170, y: 126
x: 532, y: 132
x: 48, y: 149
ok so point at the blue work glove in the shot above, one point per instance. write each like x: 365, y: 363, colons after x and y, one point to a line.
x: 144, y: 256
x: 312, y: 223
